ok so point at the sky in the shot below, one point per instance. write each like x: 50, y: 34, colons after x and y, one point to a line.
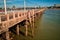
x: 29, y: 3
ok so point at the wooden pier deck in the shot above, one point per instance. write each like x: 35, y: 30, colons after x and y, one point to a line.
x: 9, y: 20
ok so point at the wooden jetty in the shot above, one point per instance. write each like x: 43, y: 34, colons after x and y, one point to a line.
x: 10, y: 19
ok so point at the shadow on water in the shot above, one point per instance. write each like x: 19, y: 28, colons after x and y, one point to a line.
x: 22, y: 33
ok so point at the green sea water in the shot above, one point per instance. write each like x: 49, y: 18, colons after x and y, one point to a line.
x: 48, y: 27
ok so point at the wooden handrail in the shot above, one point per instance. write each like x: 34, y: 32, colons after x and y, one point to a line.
x: 13, y: 15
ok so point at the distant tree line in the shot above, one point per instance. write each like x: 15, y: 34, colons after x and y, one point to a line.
x: 55, y: 6
x: 14, y: 8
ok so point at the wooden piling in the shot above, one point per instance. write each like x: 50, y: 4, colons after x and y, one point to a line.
x: 33, y: 24
x: 26, y: 27
x: 17, y: 29
x: 7, y: 34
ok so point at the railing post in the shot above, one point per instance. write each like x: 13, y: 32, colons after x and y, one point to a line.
x: 7, y: 16
x: 33, y: 12
x: 21, y: 14
x: 29, y: 14
x: 13, y: 15
x: 18, y: 14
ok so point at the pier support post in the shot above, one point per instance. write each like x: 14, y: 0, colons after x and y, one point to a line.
x: 26, y: 26
x: 17, y: 29
x: 7, y: 35
x: 33, y: 24
x: 32, y: 29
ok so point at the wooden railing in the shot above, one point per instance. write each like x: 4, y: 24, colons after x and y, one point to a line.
x: 10, y: 19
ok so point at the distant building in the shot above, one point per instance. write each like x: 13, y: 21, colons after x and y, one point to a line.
x: 56, y: 5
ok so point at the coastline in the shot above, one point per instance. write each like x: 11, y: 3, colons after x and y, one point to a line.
x: 54, y: 8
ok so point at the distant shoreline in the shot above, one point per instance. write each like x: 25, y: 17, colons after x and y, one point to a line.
x: 55, y: 8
